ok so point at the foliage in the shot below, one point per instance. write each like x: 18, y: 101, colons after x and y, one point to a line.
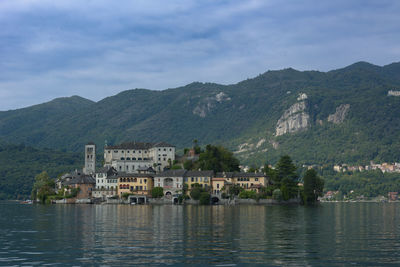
x: 313, y: 186
x: 277, y: 195
x: 125, y: 195
x: 43, y: 187
x: 248, y: 194
x: 205, y: 198
x: 195, y: 192
x: 235, y: 190
x: 157, y: 192
x: 20, y: 163
x: 367, y: 183
x: 218, y: 159
x: 176, y: 167
x: 286, y: 177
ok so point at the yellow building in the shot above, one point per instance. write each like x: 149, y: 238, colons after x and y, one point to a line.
x: 248, y: 181
x: 218, y: 184
x: 203, y: 178
x: 135, y: 183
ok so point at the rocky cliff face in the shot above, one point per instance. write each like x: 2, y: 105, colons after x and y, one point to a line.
x: 293, y: 119
x: 340, y: 114
x: 208, y: 104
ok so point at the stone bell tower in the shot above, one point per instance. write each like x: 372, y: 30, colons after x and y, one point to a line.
x: 90, y: 159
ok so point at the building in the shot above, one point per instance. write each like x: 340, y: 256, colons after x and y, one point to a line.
x: 135, y: 183
x: 85, y: 183
x: 218, y: 184
x: 202, y: 178
x: 129, y: 157
x: 171, y: 181
x: 106, y: 183
x: 246, y: 180
x: 90, y: 159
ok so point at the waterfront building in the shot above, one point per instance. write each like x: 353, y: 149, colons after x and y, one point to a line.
x: 219, y: 184
x: 171, y: 181
x: 106, y: 183
x: 203, y: 178
x: 85, y: 183
x: 135, y: 183
x: 246, y: 180
x: 129, y: 157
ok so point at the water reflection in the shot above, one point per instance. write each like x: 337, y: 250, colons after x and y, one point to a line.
x: 329, y: 234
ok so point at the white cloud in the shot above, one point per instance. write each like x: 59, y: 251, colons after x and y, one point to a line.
x: 60, y: 48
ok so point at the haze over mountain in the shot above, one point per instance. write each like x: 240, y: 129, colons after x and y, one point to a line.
x: 341, y: 116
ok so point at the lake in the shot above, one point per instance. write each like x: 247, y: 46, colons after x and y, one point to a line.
x: 330, y: 234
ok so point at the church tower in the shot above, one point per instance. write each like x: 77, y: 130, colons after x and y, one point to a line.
x: 90, y: 158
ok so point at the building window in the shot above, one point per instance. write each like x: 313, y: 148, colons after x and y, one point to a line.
x: 170, y: 149
x: 165, y: 149
x: 115, y: 151
x: 192, y: 179
x: 164, y: 159
x: 127, y: 151
x: 145, y: 180
x: 139, y: 159
x: 140, y: 151
x: 109, y: 151
x: 122, y: 158
x: 217, y: 185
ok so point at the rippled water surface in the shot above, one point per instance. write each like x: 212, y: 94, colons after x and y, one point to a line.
x: 328, y: 234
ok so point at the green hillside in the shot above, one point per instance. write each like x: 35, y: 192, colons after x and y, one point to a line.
x: 20, y: 164
x: 242, y: 117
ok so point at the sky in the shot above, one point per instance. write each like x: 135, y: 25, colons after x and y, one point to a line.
x: 95, y: 49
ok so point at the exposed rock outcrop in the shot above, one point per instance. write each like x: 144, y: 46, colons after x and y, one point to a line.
x: 340, y: 114
x: 293, y: 119
x: 208, y: 103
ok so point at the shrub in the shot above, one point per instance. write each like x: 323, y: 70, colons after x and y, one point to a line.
x: 205, y: 198
x: 196, y: 192
x: 248, y: 194
x: 157, y: 192
x: 277, y: 194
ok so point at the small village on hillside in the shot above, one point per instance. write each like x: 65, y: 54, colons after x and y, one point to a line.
x: 139, y: 173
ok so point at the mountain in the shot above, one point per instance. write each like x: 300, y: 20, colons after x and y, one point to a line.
x: 341, y: 116
x: 20, y: 164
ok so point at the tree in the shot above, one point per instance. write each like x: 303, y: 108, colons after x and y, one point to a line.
x: 286, y: 177
x: 195, y: 192
x: 43, y: 187
x: 313, y: 186
x: 157, y: 192
x: 205, y: 198
x: 218, y: 159
x: 235, y: 190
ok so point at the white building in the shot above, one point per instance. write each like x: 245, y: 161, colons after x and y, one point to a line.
x: 129, y: 157
x: 106, y: 183
x: 171, y: 181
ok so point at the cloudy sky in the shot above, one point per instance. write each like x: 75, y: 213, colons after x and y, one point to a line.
x: 95, y: 49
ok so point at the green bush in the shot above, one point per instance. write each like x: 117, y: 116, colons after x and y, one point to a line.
x: 248, y: 194
x: 277, y: 194
x: 205, y: 198
x: 157, y: 192
x: 196, y: 192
